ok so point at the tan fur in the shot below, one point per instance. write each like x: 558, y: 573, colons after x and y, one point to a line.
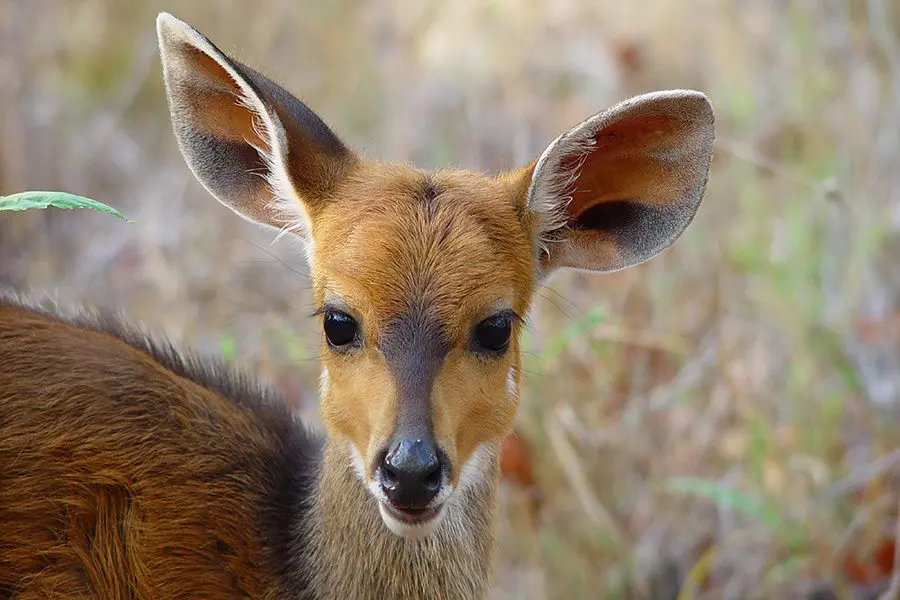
x: 485, y: 257
x: 123, y: 474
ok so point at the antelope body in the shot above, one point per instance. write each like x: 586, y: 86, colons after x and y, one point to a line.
x: 131, y: 470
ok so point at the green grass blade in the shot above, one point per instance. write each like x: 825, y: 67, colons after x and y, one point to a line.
x: 32, y: 200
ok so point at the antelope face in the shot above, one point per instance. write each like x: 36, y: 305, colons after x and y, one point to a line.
x: 422, y: 279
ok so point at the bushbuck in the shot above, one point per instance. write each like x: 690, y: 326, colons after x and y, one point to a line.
x: 131, y: 469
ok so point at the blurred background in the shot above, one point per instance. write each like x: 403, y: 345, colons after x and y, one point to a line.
x: 721, y: 422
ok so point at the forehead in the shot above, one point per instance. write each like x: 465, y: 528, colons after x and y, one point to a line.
x: 396, y: 241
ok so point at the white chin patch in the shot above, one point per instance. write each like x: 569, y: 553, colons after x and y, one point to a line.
x: 410, y: 531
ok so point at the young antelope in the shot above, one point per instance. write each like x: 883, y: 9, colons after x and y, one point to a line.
x: 129, y: 469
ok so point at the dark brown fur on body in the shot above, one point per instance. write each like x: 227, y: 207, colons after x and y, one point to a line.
x: 127, y: 471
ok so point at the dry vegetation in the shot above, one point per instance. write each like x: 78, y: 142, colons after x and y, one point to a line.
x: 718, y: 423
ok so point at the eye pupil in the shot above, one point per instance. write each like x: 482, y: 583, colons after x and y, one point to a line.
x: 493, y: 333
x: 340, y: 328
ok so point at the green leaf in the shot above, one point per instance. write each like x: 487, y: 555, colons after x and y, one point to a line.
x: 733, y: 499
x: 30, y: 200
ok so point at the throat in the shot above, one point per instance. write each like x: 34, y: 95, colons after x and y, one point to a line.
x: 353, y: 554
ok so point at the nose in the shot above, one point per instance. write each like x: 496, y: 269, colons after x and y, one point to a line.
x: 411, y: 473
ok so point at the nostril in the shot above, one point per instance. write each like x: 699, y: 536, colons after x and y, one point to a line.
x: 388, y: 478
x: 433, y: 480
x: 386, y: 474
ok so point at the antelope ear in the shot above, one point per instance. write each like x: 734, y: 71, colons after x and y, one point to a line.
x: 623, y: 185
x: 253, y: 146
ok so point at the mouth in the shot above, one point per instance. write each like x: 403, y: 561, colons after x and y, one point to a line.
x: 413, y: 517
x: 411, y: 524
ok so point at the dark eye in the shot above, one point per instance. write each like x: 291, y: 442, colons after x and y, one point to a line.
x: 493, y: 333
x: 340, y: 328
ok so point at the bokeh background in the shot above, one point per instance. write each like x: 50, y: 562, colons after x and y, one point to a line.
x: 718, y: 423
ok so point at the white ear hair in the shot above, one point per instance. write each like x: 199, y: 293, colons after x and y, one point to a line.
x: 552, y: 184
x: 252, y: 145
x: 174, y: 37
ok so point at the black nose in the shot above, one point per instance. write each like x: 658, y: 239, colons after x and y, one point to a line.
x: 411, y: 473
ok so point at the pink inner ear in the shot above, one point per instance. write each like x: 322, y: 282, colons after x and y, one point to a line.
x: 632, y: 160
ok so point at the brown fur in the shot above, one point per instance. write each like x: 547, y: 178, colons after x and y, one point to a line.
x: 120, y: 478
x: 127, y: 470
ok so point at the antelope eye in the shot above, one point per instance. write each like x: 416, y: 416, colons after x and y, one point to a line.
x: 340, y: 329
x: 493, y: 334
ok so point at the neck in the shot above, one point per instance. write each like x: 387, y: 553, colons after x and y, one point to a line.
x: 354, y: 555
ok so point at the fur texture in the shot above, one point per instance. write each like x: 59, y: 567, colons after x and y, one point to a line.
x: 132, y: 471
x: 128, y: 469
x: 454, y: 563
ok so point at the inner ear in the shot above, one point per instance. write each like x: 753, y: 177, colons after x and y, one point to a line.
x: 255, y: 147
x: 618, y: 188
x: 221, y: 110
x: 629, y: 166
x: 611, y: 216
x: 623, y: 195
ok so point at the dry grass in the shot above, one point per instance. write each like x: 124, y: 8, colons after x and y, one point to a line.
x: 718, y: 423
